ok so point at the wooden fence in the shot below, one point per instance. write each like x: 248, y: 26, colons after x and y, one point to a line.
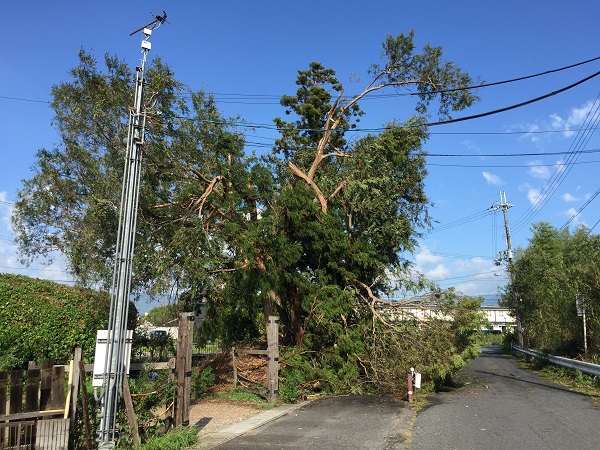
x: 37, y: 416
x: 270, y: 387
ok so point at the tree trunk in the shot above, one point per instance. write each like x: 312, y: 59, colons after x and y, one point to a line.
x: 296, y: 315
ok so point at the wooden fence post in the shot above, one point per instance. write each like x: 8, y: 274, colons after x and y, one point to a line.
x: 234, y: 363
x: 84, y: 403
x: 133, y: 424
x: 272, y: 358
x: 46, y: 387
x: 77, y: 356
x: 183, y: 368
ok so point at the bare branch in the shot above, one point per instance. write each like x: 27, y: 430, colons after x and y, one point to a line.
x: 311, y: 183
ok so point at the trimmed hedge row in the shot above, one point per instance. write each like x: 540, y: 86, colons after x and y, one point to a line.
x: 40, y: 319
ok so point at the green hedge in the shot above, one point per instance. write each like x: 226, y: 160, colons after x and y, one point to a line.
x: 40, y: 319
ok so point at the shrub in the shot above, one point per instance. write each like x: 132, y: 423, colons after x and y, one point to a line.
x: 40, y: 319
x: 202, y: 381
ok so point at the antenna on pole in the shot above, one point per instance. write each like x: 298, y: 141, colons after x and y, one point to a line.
x: 117, y: 353
x: 157, y: 22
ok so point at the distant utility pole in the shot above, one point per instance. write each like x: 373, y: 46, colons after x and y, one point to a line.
x: 581, y: 312
x: 507, y: 256
x: 115, y: 363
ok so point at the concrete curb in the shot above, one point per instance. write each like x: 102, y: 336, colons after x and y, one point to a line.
x: 237, y: 429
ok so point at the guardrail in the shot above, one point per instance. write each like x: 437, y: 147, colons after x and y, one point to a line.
x: 586, y: 367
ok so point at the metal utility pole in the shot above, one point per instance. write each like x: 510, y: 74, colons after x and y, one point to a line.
x: 507, y: 256
x: 115, y: 361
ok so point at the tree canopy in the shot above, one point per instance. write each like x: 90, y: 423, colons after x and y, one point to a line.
x: 546, y: 277
x: 312, y: 231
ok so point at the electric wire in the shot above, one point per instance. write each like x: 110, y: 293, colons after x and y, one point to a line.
x: 566, y: 224
x: 504, y: 155
x: 590, y: 230
x: 404, y: 94
x: 560, y: 173
x: 380, y: 129
x: 464, y: 220
x: 497, y: 166
x: 582, y: 138
x: 518, y: 105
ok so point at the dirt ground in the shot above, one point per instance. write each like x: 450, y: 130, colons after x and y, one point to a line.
x: 211, y: 413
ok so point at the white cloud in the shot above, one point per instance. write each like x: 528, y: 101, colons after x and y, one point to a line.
x: 492, y: 179
x: 425, y: 257
x: 470, y: 145
x: 576, y: 221
x: 575, y: 118
x: 531, y: 131
x: 537, y: 170
x: 534, y: 196
x: 439, y: 271
x: 569, y: 198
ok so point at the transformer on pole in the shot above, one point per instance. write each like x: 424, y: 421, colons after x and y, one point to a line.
x: 116, y: 354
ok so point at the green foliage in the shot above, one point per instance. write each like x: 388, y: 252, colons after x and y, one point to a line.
x: 491, y: 338
x: 180, y: 438
x: 242, y: 396
x: 40, y: 320
x: 152, y: 392
x: 313, y: 231
x: 546, y: 278
x: 376, y: 359
x: 147, y: 346
x: 202, y: 381
x: 291, y: 381
x: 162, y: 316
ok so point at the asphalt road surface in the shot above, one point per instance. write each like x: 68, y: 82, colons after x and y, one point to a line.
x: 502, y: 407
x: 348, y: 422
x: 507, y: 408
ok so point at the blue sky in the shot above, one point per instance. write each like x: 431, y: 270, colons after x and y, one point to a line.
x: 248, y: 54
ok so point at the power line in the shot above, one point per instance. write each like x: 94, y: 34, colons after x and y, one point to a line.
x: 497, y: 166
x: 518, y: 105
x: 464, y: 220
x: 380, y: 129
x: 404, y: 94
x: 501, y: 155
x: 566, y: 224
x: 581, y: 139
x: 372, y: 96
x: 24, y: 99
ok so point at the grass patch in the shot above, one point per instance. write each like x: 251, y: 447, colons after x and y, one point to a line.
x: 239, y: 395
x: 575, y: 380
x: 177, y: 439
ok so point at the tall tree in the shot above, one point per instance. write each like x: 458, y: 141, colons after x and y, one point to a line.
x: 351, y: 209
x: 313, y: 231
x: 546, y: 277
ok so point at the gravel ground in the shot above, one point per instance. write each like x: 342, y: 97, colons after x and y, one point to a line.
x: 214, y: 415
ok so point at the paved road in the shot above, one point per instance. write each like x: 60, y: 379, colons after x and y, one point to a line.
x: 354, y: 422
x: 503, y: 407
x: 507, y: 408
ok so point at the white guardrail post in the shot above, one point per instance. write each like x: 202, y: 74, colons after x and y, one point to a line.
x: 585, y: 367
